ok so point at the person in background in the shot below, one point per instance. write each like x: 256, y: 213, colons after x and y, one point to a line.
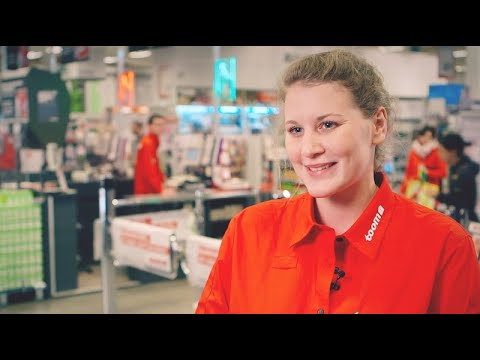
x: 8, y: 154
x: 424, y: 161
x: 149, y: 178
x: 462, y: 187
x: 349, y: 244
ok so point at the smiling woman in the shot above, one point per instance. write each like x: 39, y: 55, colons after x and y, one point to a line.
x: 350, y: 244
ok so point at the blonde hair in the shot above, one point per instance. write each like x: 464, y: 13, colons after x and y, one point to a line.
x: 353, y: 72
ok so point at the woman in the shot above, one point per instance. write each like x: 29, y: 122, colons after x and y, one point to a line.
x: 462, y: 187
x: 350, y: 244
x: 424, y: 159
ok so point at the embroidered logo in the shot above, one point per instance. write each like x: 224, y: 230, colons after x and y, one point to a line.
x: 375, y: 222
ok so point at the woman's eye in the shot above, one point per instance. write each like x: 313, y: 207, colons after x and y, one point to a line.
x: 295, y: 130
x: 328, y: 125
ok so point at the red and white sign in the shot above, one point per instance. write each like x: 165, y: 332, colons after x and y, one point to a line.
x: 143, y: 241
x: 142, y: 246
x: 201, y: 253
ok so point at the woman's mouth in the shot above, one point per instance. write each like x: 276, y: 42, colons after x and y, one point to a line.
x: 319, y: 167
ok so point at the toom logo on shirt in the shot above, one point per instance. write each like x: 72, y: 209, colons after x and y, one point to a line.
x: 375, y: 222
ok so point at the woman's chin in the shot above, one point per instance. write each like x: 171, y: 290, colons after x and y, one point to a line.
x: 319, y: 192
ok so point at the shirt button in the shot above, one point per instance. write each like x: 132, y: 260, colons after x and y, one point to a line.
x: 320, y: 311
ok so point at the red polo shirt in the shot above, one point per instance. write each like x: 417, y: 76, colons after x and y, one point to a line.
x: 398, y: 257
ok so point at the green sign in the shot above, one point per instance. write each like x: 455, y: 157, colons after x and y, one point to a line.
x: 77, y: 96
x: 225, y: 79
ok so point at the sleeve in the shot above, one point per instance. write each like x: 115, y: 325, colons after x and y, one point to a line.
x: 410, y: 172
x: 215, y: 297
x: 460, y: 192
x: 147, y: 159
x: 439, y: 171
x: 448, y: 199
x: 457, y: 285
x: 466, y: 186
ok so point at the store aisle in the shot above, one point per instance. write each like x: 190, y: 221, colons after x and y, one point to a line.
x: 165, y: 297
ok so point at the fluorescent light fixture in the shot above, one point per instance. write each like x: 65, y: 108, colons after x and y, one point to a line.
x: 460, y: 53
x: 260, y: 110
x: 141, y: 54
x: 228, y: 110
x: 110, y: 60
x: 194, y: 109
x: 34, y: 55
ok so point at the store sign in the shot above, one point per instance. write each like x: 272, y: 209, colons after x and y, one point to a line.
x: 225, y: 79
x: 126, y: 89
x: 142, y: 246
x: 47, y: 106
x: 74, y: 53
x: 145, y: 241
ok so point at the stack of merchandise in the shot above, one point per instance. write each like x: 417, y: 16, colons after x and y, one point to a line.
x: 422, y: 191
x: 21, y: 250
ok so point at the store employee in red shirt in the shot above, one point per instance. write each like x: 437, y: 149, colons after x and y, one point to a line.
x: 349, y: 245
x: 148, y: 176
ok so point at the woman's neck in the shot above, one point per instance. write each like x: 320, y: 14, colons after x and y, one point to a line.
x: 342, y: 210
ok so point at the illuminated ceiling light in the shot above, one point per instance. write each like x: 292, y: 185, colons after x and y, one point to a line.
x: 57, y: 50
x: 141, y: 54
x: 54, y: 49
x: 110, y: 60
x: 460, y: 53
x: 34, y: 55
x: 459, y: 68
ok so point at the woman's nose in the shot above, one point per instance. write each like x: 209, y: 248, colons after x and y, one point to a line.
x: 312, y: 146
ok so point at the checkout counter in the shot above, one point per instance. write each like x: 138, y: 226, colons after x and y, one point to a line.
x: 213, y: 210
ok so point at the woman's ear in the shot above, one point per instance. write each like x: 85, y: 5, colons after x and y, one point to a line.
x: 380, y: 126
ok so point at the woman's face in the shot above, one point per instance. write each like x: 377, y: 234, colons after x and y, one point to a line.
x: 425, y: 138
x: 449, y: 156
x: 329, y: 142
